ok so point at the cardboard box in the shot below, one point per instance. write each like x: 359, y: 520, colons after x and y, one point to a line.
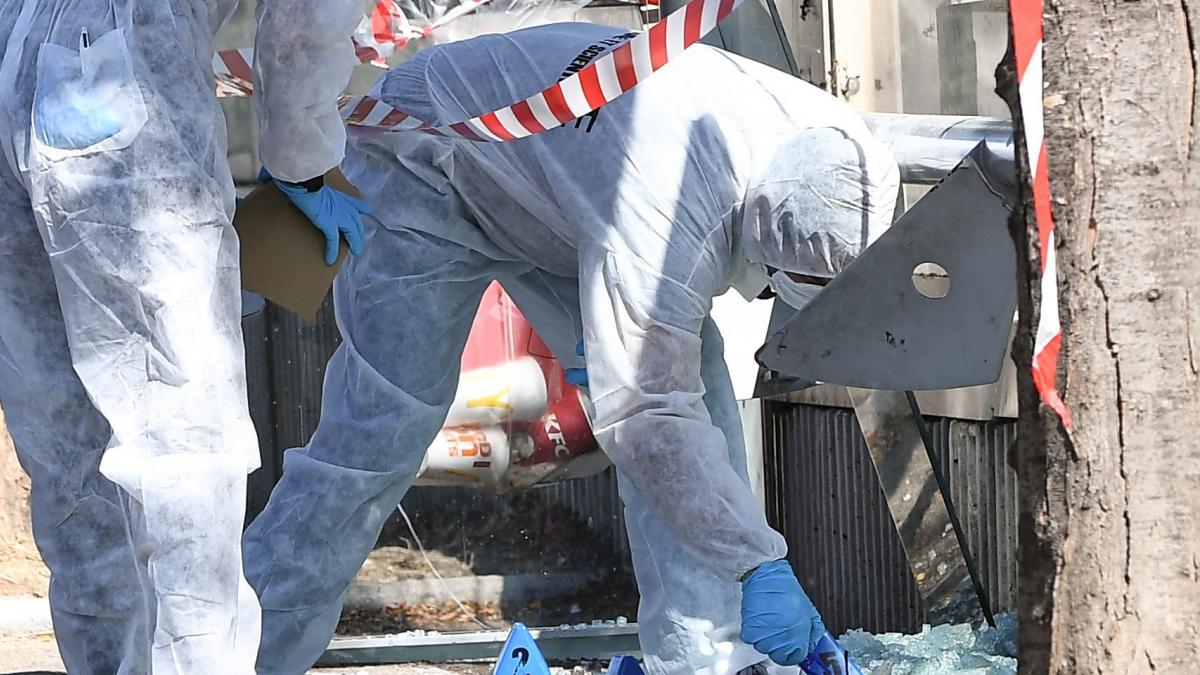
x: 283, y: 255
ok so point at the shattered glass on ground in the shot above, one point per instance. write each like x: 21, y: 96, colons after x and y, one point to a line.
x: 939, y: 650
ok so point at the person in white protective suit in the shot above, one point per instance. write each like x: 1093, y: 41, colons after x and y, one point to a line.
x: 121, y: 359
x: 618, y: 229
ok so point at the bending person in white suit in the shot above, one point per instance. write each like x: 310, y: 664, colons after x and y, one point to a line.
x: 618, y: 229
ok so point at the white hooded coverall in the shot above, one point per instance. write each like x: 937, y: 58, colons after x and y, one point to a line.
x: 121, y: 361
x: 620, y: 228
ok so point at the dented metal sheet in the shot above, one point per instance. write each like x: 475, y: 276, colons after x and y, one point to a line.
x: 872, y: 327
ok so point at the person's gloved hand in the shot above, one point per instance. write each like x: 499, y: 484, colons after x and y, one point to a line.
x: 334, y: 213
x: 578, y: 376
x: 777, y: 616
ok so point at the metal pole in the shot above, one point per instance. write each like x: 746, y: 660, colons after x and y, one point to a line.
x: 944, y: 488
x: 927, y: 147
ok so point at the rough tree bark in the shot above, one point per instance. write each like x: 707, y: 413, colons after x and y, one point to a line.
x: 1110, y: 512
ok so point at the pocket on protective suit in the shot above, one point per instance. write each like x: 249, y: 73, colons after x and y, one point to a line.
x: 86, y: 101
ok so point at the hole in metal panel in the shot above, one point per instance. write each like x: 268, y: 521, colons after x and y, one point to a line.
x: 931, y: 280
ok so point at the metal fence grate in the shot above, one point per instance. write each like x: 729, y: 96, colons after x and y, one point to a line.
x: 823, y: 493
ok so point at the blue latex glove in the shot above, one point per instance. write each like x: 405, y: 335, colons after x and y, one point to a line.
x: 578, y: 376
x: 828, y: 658
x: 335, y: 214
x: 777, y: 616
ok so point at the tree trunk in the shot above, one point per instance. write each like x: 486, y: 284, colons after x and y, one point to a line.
x: 1110, y: 512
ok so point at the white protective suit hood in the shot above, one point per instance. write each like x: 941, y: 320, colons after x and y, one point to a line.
x: 813, y: 208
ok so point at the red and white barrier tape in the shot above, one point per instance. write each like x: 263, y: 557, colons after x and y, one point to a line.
x: 1027, y: 43
x: 383, y: 32
x: 377, y: 37
x: 599, y: 83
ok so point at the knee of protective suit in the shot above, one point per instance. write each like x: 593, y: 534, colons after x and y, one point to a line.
x: 319, y: 526
x: 91, y: 560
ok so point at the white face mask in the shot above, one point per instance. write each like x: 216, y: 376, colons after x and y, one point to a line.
x: 792, y: 292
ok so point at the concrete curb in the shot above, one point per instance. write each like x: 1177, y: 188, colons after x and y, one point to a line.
x: 24, y: 616
x: 492, y: 588
x: 31, y: 616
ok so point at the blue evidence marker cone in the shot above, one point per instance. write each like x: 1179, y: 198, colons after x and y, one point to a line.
x: 829, y: 659
x: 521, y: 655
x: 624, y: 665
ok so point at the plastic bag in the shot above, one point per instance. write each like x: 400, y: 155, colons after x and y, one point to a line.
x: 515, y: 421
x: 87, y: 101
